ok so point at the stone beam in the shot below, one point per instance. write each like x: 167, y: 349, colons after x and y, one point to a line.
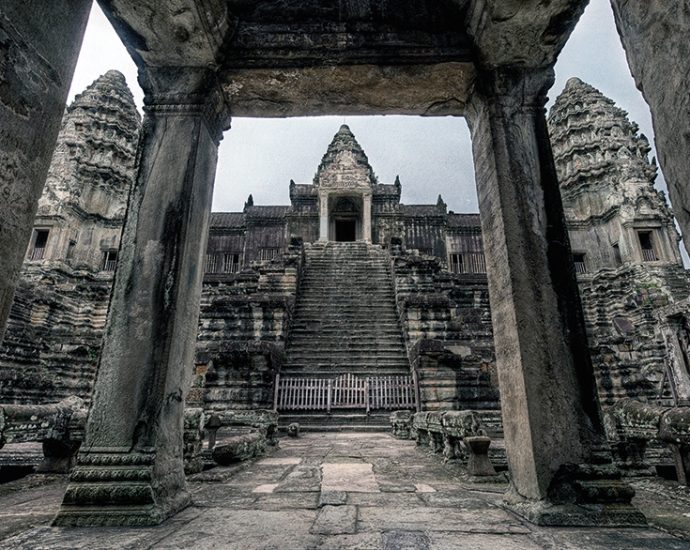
x: 130, y: 469
x: 38, y: 59
x: 521, y: 33
x: 554, y: 436
x: 655, y: 38
x: 429, y: 90
x: 181, y: 33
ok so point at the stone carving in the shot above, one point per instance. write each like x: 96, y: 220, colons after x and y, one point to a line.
x: 401, y: 423
x: 345, y: 165
x: 59, y: 427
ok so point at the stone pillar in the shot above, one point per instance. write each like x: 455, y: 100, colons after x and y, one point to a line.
x: 366, y: 217
x: 550, y: 413
x: 39, y: 55
x: 323, y: 216
x: 655, y: 38
x: 130, y: 468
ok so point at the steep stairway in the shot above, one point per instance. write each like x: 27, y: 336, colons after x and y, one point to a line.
x: 345, y: 321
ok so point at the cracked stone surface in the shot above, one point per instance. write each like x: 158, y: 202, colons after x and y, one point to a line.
x: 244, y: 508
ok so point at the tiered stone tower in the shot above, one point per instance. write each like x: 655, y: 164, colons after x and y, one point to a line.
x: 53, y: 339
x: 625, y: 247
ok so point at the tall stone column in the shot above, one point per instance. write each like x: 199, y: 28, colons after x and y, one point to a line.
x: 561, y: 470
x: 39, y: 54
x: 366, y: 217
x: 323, y: 216
x: 130, y: 469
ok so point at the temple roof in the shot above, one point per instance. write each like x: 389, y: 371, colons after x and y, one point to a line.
x: 345, y: 164
x: 227, y: 219
x: 422, y: 210
x: 271, y: 211
x: 108, y: 93
x: 463, y: 220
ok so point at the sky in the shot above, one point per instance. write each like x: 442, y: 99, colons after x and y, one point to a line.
x: 432, y: 156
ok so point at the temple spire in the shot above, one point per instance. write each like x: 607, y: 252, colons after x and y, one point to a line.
x: 345, y: 159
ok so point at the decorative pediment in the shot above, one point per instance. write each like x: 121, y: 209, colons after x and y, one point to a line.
x: 345, y: 165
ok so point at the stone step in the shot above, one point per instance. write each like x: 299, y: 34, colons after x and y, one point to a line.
x: 336, y: 420
x: 295, y: 367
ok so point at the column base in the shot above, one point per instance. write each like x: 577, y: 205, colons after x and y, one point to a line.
x: 581, y: 496
x: 115, y: 488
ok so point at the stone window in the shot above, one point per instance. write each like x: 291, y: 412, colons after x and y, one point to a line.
x: 39, y: 246
x: 223, y: 263
x: 70, y: 249
x: 647, y: 246
x: 617, y: 258
x: 467, y: 262
x: 109, y: 260
x: 266, y: 254
x: 579, y: 261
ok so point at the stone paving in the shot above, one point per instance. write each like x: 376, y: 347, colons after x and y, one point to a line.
x: 346, y: 490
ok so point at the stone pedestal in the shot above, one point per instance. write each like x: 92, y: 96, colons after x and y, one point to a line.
x: 130, y: 468
x: 550, y: 413
x: 39, y: 55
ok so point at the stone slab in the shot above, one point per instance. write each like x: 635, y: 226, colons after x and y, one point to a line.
x: 357, y: 478
x: 279, y: 461
x: 265, y: 488
x: 335, y: 520
x: 332, y: 498
x: 398, y: 539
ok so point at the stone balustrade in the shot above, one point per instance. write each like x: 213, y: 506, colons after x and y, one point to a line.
x: 236, y: 435
x: 458, y: 434
x: 637, y: 423
x: 58, y: 426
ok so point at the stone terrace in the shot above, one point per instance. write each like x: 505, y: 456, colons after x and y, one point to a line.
x: 337, y: 490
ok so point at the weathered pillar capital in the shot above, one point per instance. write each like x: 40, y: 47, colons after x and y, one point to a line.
x: 510, y: 89
x: 187, y: 92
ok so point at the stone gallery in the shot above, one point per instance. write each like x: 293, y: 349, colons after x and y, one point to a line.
x: 252, y: 379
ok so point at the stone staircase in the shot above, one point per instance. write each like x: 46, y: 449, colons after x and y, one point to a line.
x: 345, y: 321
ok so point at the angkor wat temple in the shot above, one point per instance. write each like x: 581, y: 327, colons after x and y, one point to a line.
x: 346, y: 281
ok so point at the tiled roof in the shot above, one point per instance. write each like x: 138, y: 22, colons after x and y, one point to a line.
x: 464, y: 220
x: 227, y: 219
x: 267, y: 211
x: 421, y: 210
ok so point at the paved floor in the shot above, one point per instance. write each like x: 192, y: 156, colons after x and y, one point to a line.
x: 366, y: 491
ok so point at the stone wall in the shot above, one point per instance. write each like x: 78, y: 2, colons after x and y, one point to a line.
x: 243, y: 325
x: 53, y: 340
x: 446, y: 321
x: 627, y: 337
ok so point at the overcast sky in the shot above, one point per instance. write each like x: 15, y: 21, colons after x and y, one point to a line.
x: 431, y: 155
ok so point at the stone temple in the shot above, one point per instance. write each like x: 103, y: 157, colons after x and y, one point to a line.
x: 254, y: 379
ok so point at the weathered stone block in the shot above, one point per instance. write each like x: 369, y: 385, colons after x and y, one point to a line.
x: 239, y: 447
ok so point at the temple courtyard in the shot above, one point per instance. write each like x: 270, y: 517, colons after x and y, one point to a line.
x: 339, y: 490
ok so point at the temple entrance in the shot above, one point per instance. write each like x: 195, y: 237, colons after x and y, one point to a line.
x: 345, y: 218
x: 345, y: 230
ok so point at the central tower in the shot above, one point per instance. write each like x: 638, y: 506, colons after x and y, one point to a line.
x: 345, y: 183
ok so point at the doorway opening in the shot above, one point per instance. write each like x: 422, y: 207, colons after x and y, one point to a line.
x: 345, y: 230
